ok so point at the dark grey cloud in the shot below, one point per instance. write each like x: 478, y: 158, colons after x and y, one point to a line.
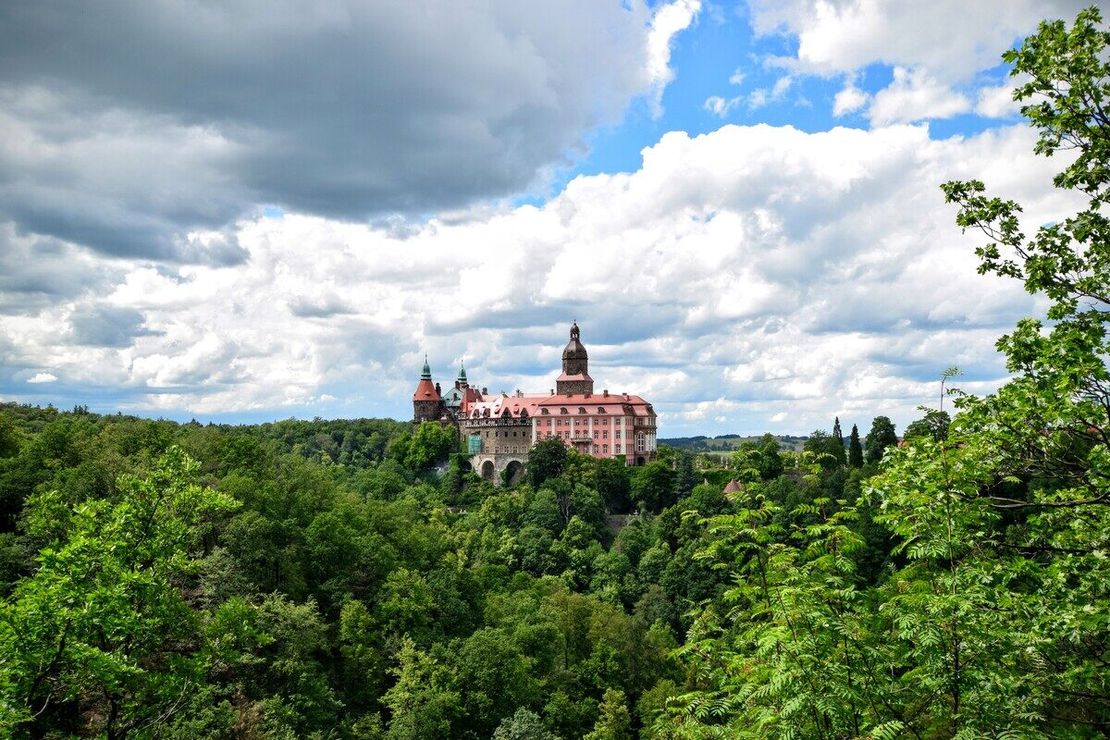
x: 132, y: 125
x: 36, y: 272
x: 324, y: 307
x: 107, y: 326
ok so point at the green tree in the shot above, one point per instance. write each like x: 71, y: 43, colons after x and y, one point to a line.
x: 879, y: 438
x: 613, y: 721
x: 855, y: 449
x: 822, y: 446
x: 546, y: 460
x: 423, y: 701
x: 836, y: 444
x: 653, y: 486
x: 523, y: 725
x: 431, y: 443
x: 612, y: 481
x: 934, y: 424
x: 101, y: 629
x: 1005, y: 519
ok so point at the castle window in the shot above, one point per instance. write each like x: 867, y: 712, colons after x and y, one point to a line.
x: 595, y: 434
x: 601, y: 409
x: 605, y: 449
x: 563, y: 410
x: 581, y: 409
x: 595, y: 449
x: 605, y: 434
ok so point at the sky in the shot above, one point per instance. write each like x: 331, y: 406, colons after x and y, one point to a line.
x: 242, y: 211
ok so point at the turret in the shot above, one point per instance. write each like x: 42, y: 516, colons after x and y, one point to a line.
x: 427, y: 404
x: 575, y: 377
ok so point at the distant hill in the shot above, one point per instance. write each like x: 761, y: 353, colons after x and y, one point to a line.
x: 728, y: 442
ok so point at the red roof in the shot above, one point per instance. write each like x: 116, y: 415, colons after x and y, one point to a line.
x: 576, y: 404
x: 426, y: 391
x: 563, y: 377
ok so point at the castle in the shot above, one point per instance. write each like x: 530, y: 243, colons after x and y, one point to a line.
x: 500, y: 429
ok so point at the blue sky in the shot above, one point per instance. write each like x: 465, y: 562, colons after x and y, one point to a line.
x: 237, y: 217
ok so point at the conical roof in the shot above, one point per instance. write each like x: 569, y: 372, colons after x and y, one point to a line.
x: 426, y: 389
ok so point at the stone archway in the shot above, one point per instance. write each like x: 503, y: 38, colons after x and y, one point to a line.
x: 513, y: 472
x: 500, y: 469
x: 488, y: 470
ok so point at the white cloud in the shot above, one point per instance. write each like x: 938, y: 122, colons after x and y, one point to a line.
x: 997, y: 102
x: 719, y: 106
x: 749, y: 273
x: 951, y: 38
x: 849, y: 100
x: 668, y: 21
x: 42, y: 378
x: 762, y: 96
x: 945, y: 41
x: 915, y: 96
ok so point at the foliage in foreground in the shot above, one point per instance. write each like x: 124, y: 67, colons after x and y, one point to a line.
x: 351, y: 579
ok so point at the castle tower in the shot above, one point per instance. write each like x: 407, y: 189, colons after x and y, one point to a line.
x: 460, y: 382
x: 575, y: 377
x: 427, y: 404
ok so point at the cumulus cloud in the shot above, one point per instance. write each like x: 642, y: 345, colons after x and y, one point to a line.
x: 914, y: 96
x: 144, y: 131
x: 762, y: 274
x: 42, y: 378
x: 946, y: 42
x: 849, y: 100
x: 997, y: 102
x: 950, y: 38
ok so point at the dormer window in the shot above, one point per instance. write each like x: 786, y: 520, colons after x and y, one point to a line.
x: 601, y: 409
x: 543, y: 412
x: 563, y: 410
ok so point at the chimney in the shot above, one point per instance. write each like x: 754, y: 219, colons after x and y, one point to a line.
x: 485, y: 391
x: 553, y: 391
x: 438, y: 390
x: 605, y: 393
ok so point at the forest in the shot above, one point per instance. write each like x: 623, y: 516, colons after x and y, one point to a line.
x: 351, y: 579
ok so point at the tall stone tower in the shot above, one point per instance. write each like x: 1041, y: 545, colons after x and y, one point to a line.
x: 575, y: 377
x: 427, y: 404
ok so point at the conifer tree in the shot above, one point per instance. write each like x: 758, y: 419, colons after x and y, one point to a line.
x: 837, y: 443
x: 855, y: 449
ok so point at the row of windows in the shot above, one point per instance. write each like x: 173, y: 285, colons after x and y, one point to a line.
x: 568, y: 422
x: 506, y: 434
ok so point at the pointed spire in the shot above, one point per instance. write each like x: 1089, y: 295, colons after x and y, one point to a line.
x: 427, y: 373
x: 462, y: 373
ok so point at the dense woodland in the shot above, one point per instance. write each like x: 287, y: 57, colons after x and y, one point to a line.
x: 351, y: 579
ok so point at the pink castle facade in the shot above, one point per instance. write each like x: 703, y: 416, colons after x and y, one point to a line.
x: 500, y: 429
